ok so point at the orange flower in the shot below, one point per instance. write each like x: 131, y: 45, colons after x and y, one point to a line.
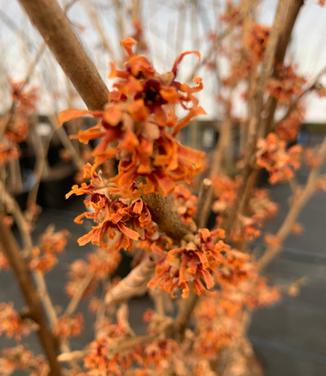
x: 139, y: 124
x: 288, y: 128
x: 200, y: 262
x: 103, y: 263
x: 279, y: 162
x: 118, y: 222
x: 15, y: 123
x: 69, y: 326
x: 287, y: 84
x: 256, y: 41
x: 51, y: 244
x: 8, y: 152
x: 186, y: 203
x: 20, y: 358
x: 11, y: 324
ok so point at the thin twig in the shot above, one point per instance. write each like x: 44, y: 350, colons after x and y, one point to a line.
x: 33, y: 299
x: 72, y: 306
x: 204, y: 202
x: 299, y: 201
x: 134, y: 284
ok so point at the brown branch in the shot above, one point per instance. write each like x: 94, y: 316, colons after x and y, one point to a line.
x: 33, y: 300
x: 185, y: 311
x: 12, y: 207
x: 118, y: 347
x: 163, y: 214
x: 66, y: 142
x: 134, y: 284
x: 24, y: 228
x: 72, y: 306
x: 299, y: 201
x: 276, y: 46
x: 284, y: 39
x: 306, y: 91
x: 205, y: 197
x: 49, y: 18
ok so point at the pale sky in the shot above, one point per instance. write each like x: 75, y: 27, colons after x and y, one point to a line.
x: 161, y: 26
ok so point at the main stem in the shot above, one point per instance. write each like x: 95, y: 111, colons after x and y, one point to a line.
x: 50, y: 20
x: 26, y: 284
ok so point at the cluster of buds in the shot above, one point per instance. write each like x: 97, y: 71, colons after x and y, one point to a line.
x: 220, y: 325
x: 15, y: 122
x: 256, y: 41
x: 288, y: 128
x: 11, y: 323
x: 279, y: 161
x: 286, y: 85
x: 69, y: 326
x: 19, y: 358
x: 186, y: 204
x: 51, y: 244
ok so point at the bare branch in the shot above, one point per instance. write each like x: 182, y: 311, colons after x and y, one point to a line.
x: 299, y: 201
x: 33, y: 299
x: 134, y: 284
x: 53, y: 25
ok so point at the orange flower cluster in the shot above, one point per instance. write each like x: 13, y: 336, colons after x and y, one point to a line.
x: 118, y: 221
x: 156, y: 357
x: 288, y: 128
x: 147, y: 359
x: 139, y: 124
x: 201, y: 262
x: 8, y: 152
x: 221, y: 315
x: 260, y: 209
x: 11, y: 323
x: 25, y: 101
x: 20, y: 358
x: 15, y: 122
x: 100, y: 361
x: 51, y: 244
x: 103, y: 358
x: 287, y: 85
x: 69, y: 326
x: 99, y: 264
x: 231, y: 13
x: 225, y: 190
x: 108, y: 356
x: 256, y: 41
x: 186, y: 204
x: 276, y: 159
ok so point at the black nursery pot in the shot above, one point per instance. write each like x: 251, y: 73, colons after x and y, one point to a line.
x: 262, y: 178
x: 54, y: 187
x: 21, y: 199
x: 27, y: 157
